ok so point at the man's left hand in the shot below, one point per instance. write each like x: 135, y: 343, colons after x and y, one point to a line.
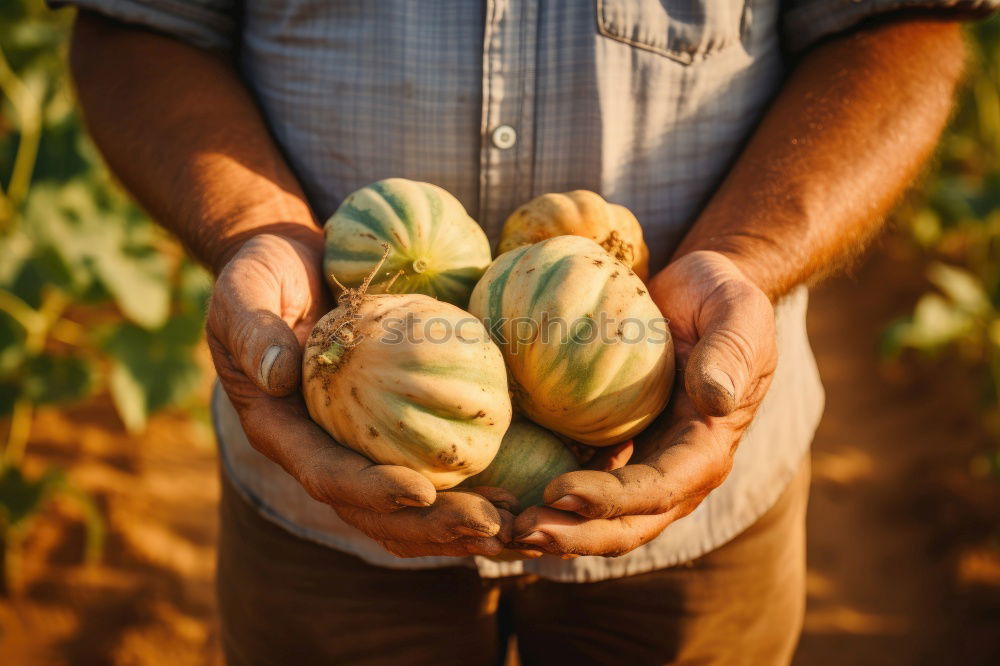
x: 724, y: 337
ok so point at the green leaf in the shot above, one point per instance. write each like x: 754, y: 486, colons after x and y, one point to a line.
x: 936, y: 322
x: 130, y: 397
x: 59, y: 158
x: 35, y: 274
x: 194, y: 288
x: 9, y: 392
x: 59, y: 255
x: 20, y: 497
x: 926, y: 227
x: 961, y: 286
x: 138, y: 282
x: 48, y: 378
x: 11, y: 345
x: 893, y: 338
x: 96, y: 244
x: 950, y: 198
x: 11, y: 13
x: 993, y: 332
x: 987, y: 96
x: 15, y: 248
x: 184, y: 330
x: 152, y: 369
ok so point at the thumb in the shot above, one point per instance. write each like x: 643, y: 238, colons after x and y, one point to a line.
x: 735, y: 349
x: 267, y: 352
x: 243, y: 317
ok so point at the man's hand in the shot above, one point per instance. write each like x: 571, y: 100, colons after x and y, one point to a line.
x: 265, y: 303
x: 847, y: 132
x: 724, y: 336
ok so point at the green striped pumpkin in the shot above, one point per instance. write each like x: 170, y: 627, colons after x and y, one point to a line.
x: 432, y: 397
x: 441, y: 251
x: 588, y: 353
x: 529, y: 457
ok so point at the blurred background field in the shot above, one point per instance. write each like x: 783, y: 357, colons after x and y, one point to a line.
x: 108, y: 473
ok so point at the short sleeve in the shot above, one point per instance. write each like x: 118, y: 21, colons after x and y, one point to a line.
x: 209, y: 24
x: 807, y: 21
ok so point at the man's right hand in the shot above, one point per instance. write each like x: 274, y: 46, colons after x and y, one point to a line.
x: 265, y: 302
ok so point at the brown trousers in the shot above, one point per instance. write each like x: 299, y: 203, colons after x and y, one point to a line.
x: 285, y: 600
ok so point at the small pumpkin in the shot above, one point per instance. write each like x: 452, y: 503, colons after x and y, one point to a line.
x: 430, y: 394
x: 588, y: 353
x: 529, y: 457
x: 579, y: 213
x: 435, y: 248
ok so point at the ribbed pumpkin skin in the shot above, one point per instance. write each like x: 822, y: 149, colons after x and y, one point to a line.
x: 598, y: 391
x: 437, y: 403
x: 529, y: 457
x: 579, y: 213
x: 440, y: 249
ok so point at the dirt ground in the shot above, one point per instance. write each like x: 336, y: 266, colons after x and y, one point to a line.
x: 904, y: 528
x: 904, y: 533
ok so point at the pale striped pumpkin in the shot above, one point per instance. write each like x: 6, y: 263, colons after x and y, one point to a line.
x: 430, y: 394
x: 588, y: 353
x: 529, y: 457
x: 435, y: 248
x: 578, y: 213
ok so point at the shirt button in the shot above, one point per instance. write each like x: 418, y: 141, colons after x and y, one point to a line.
x: 504, y: 137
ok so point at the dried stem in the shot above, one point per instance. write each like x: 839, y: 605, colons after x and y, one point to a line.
x: 345, y: 337
x: 388, y: 285
x: 371, y: 276
x: 343, y: 289
x: 348, y: 293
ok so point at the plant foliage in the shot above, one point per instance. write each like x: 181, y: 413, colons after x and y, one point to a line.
x: 955, y: 223
x: 93, y: 296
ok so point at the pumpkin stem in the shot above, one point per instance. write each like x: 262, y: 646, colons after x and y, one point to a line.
x: 352, y: 295
x: 344, y: 336
x: 333, y: 354
x: 343, y: 289
x: 363, y: 289
x: 616, y: 246
x: 391, y: 282
x: 342, y: 339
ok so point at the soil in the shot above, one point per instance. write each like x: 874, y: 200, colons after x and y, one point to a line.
x: 904, y: 521
x: 904, y: 527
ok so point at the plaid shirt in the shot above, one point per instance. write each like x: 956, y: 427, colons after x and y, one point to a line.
x: 646, y: 102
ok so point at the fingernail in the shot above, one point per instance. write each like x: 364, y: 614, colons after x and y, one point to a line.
x: 535, y: 538
x: 568, y: 556
x: 473, y: 532
x: 569, y: 503
x: 266, y: 363
x: 409, y: 501
x: 723, y: 381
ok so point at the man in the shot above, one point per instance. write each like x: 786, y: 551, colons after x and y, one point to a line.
x: 759, y: 143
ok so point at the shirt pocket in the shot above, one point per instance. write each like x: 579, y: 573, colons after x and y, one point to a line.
x: 683, y: 30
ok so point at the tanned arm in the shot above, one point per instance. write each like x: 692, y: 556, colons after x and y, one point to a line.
x: 852, y: 127
x: 179, y: 128
x: 846, y: 134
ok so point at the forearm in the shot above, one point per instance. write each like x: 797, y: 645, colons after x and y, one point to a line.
x: 848, y: 132
x: 179, y: 128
